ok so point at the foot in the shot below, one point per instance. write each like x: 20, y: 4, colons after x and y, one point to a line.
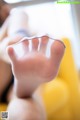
x: 32, y: 67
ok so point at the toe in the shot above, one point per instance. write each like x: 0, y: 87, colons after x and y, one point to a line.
x: 35, y: 43
x: 11, y: 54
x: 25, y: 45
x: 44, y: 42
x: 57, y: 52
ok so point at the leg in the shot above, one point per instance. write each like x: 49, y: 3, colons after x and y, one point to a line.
x: 32, y: 68
x: 25, y: 109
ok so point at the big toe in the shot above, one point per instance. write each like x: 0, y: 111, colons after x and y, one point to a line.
x: 57, y: 52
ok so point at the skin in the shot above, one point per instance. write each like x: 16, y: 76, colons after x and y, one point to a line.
x: 4, y: 67
x: 4, y: 12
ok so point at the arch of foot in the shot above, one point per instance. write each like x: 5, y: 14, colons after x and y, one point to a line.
x: 62, y: 96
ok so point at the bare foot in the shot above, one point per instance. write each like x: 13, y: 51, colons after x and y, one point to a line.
x: 31, y: 68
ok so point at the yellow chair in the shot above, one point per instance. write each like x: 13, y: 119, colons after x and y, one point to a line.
x: 62, y: 96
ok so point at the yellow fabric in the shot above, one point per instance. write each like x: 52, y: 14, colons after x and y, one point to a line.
x: 62, y: 96
x: 3, y: 107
